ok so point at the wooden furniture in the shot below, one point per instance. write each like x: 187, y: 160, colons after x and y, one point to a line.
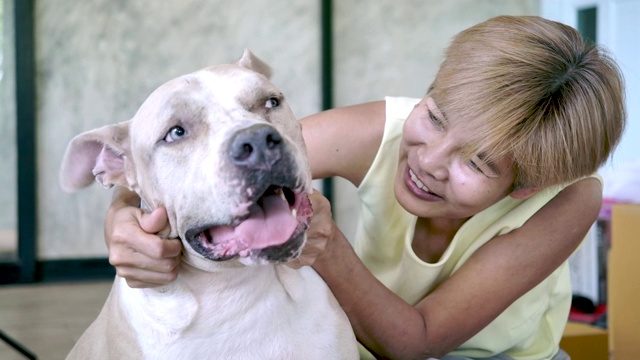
x: 623, y: 283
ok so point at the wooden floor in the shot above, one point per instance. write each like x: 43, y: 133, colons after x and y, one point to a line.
x: 47, y: 319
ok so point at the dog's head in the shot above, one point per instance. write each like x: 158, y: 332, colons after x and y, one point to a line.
x: 221, y: 150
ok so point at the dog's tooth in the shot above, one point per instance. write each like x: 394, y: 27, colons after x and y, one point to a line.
x: 294, y: 212
x: 281, y: 193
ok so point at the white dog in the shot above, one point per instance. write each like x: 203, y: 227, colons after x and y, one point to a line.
x: 221, y: 150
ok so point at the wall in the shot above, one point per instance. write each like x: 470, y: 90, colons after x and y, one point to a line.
x: 98, y: 60
x: 8, y: 154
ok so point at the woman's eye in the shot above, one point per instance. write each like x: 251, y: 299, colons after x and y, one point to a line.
x: 175, y: 133
x: 272, y: 102
x: 474, y: 165
x: 482, y: 167
x: 436, y: 121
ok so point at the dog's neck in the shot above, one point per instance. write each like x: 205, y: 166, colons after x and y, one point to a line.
x: 200, y: 263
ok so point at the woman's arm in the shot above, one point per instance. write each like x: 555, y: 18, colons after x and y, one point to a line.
x: 343, y: 141
x: 470, y: 299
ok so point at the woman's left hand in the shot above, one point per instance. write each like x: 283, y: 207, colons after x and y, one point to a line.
x: 319, y: 234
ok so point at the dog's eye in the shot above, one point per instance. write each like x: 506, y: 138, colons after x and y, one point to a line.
x: 272, y: 102
x: 175, y: 133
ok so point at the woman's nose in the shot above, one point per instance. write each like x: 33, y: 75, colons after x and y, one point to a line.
x: 434, y: 161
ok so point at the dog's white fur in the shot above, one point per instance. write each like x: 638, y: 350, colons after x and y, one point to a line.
x: 244, y: 306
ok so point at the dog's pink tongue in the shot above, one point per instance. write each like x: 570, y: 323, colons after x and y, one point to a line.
x: 269, y: 225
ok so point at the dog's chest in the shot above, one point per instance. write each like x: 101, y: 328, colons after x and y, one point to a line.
x: 255, y: 315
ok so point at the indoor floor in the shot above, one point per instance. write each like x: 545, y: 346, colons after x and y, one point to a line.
x: 47, y: 319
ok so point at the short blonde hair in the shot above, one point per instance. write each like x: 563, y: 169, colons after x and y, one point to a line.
x: 531, y: 89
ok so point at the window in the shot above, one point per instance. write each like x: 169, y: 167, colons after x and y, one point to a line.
x: 587, y: 20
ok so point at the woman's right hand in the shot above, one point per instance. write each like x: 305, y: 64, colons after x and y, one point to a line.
x: 140, y: 256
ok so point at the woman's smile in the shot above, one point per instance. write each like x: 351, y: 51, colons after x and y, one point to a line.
x: 419, y: 189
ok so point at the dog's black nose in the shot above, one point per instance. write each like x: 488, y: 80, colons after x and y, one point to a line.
x: 256, y: 147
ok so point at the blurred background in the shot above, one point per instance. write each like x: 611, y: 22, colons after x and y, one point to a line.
x: 69, y: 66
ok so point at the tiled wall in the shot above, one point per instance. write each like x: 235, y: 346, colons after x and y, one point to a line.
x: 98, y: 60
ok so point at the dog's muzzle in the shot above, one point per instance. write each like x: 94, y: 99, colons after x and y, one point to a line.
x: 275, y: 221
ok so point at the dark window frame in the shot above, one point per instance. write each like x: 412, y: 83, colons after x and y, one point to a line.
x: 22, y: 268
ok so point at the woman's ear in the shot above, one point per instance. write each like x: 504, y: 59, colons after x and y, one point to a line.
x: 524, y: 193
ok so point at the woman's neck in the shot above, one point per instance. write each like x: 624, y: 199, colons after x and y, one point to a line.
x: 433, y: 236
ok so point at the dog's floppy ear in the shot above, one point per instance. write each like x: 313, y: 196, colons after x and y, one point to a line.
x: 97, y: 154
x: 252, y: 62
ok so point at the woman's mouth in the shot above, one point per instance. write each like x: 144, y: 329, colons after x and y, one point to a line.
x: 417, y: 181
x: 420, y: 189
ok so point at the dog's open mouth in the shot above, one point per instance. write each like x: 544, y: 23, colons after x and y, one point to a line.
x: 279, y: 215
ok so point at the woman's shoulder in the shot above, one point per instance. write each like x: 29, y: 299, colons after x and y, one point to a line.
x: 344, y: 141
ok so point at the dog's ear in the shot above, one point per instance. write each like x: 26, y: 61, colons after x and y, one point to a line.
x: 252, y: 62
x: 97, y: 154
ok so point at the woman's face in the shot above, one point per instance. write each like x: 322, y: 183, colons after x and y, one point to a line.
x: 434, y: 180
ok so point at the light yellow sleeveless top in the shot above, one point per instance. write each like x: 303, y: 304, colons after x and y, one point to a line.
x: 530, y: 328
